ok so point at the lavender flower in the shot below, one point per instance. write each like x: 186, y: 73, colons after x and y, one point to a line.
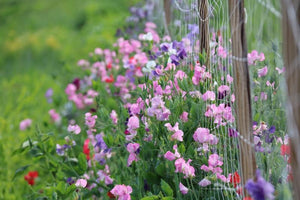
x: 260, y: 189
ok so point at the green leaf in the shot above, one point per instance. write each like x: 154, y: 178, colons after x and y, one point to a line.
x: 166, y: 188
x: 19, y: 171
x: 167, y: 198
x: 154, y: 197
x: 54, y: 196
x: 160, y: 169
x: 61, y: 187
x: 82, y: 163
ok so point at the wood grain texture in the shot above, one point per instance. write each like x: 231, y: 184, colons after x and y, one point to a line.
x: 242, y: 88
x: 204, y: 29
x: 291, y: 53
x: 167, y: 9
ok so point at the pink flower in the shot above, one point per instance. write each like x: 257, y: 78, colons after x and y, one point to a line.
x: 90, y: 120
x: 214, y: 160
x: 98, y: 51
x: 222, y: 52
x: 201, y: 135
x: 54, y: 115
x: 133, y: 149
x: 178, y: 135
x: 180, y: 75
x: 204, y: 182
x: 229, y: 79
x: 172, y: 129
x: 184, y: 116
x: 184, y: 167
x: 223, y: 88
x: 74, y: 128
x: 280, y: 70
x: 114, y: 117
x: 70, y: 90
x: 263, y: 71
x: 170, y: 156
x: 81, y: 183
x: 25, y: 124
x: 254, y: 56
x: 209, y: 95
x: 263, y: 96
x: 122, y: 192
x: 133, y: 124
x: 183, y: 189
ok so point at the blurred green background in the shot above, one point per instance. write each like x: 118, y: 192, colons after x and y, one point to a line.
x: 40, y: 44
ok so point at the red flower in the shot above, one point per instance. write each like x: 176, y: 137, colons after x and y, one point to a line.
x: 110, y: 195
x: 31, y: 176
x: 126, y: 132
x: 285, y: 149
x: 110, y: 79
x: 108, y: 66
x: 235, y: 179
x: 247, y: 198
x: 86, y: 149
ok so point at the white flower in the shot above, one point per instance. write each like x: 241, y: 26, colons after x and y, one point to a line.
x: 149, y: 66
x: 148, y: 37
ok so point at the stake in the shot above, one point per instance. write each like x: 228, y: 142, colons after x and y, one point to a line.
x: 204, y: 30
x: 242, y: 88
x: 291, y: 52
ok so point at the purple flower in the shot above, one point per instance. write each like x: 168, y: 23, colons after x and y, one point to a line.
x: 60, y: 150
x: 272, y: 129
x: 100, y: 142
x: 260, y: 189
x: 232, y: 132
x: 49, y: 94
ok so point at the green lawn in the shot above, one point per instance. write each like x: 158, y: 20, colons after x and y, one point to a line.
x: 40, y: 43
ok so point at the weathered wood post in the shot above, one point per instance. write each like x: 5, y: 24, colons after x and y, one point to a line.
x: 204, y: 29
x: 242, y: 88
x: 167, y: 15
x: 291, y: 52
x: 167, y: 9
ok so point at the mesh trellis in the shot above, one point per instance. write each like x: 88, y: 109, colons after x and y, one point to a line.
x: 234, y: 26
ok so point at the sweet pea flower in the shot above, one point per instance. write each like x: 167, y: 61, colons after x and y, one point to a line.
x: 74, y: 128
x: 209, y: 95
x: 184, y: 116
x: 133, y: 149
x: 204, y: 182
x: 280, y: 71
x: 31, y: 176
x: 122, y: 192
x: 214, y: 160
x: 133, y: 124
x: 201, y: 135
x: 260, y: 189
x: 183, y: 189
x: 55, y: 116
x: 81, y: 183
x: 262, y: 72
x: 25, y: 124
x: 114, y: 117
x: 184, y: 167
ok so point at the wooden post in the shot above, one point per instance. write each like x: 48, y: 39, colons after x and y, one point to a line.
x: 291, y: 53
x: 242, y: 88
x: 204, y: 29
x: 167, y: 9
x: 167, y: 15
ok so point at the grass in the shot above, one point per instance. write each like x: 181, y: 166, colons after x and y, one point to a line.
x: 40, y: 43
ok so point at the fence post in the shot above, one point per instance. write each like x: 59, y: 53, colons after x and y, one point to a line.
x: 204, y: 29
x: 291, y: 53
x: 242, y: 88
x: 167, y: 15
